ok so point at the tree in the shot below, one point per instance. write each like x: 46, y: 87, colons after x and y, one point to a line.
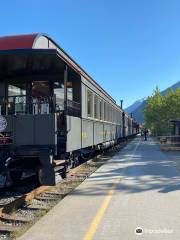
x: 160, y: 110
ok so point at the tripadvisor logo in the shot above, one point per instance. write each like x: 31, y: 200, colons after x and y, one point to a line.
x: 138, y: 231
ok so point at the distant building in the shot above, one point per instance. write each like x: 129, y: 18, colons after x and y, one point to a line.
x: 176, y: 126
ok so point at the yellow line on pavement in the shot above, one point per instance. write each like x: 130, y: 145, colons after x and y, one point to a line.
x: 96, y: 221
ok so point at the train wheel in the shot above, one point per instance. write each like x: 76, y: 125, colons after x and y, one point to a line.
x: 41, y: 176
x: 46, y: 176
x: 72, y: 162
x: 64, y: 173
x: 76, y: 161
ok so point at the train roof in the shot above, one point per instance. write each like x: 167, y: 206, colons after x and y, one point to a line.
x: 43, y: 41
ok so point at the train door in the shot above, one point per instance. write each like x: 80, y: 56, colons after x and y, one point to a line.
x: 59, y: 91
x: 73, y: 110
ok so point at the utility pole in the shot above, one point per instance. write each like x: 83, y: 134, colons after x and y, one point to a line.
x: 121, y: 103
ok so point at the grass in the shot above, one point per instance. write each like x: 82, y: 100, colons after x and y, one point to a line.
x: 16, y: 234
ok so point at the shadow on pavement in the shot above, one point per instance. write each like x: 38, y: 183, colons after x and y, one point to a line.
x: 148, y: 169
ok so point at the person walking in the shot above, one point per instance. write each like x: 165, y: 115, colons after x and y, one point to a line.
x: 145, y: 134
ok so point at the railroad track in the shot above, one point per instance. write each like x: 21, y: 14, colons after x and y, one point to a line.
x: 22, y: 211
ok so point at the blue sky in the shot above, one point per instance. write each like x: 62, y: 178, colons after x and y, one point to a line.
x: 129, y: 47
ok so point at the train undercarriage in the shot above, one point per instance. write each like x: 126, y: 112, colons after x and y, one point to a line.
x: 15, y: 165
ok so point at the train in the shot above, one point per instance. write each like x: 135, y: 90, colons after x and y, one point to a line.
x: 52, y: 113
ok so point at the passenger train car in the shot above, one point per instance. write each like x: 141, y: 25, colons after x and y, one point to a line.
x: 51, y: 111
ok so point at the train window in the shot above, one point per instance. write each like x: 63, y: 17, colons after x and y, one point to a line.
x: 120, y: 117
x: 59, y: 93
x: 69, y: 91
x: 108, y: 111
x: 89, y: 104
x: 115, y: 115
x: 113, y: 110
x: 105, y: 112
x: 101, y: 109
x: 98, y: 109
x: 108, y: 106
x: 96, y: 106
x: 40, y: 89
x: 17, y: 99
x: 16, y: 90
x: 40, y: 93
x: 69, y: 94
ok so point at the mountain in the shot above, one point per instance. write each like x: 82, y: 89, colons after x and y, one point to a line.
x: 173, y: 87
x: 135, y: 105
x: 138, y: 107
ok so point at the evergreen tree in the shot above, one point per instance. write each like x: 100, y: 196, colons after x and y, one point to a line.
x: 160, y: 110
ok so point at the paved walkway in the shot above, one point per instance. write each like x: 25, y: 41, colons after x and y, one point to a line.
x: 139, y: 187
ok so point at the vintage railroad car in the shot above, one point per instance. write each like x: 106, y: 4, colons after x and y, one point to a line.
x: 52, y: 113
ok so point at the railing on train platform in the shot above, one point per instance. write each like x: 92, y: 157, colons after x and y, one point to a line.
x: 21, y: 104
x: 169, y: 142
